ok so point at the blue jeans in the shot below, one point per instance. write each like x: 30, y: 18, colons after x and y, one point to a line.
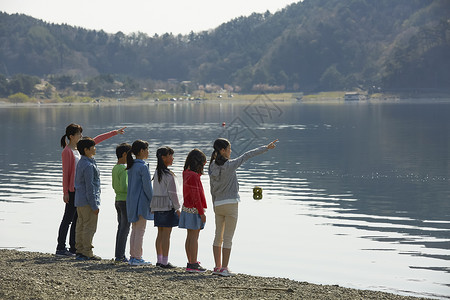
x: 69, y: 220
x: 122, y: 229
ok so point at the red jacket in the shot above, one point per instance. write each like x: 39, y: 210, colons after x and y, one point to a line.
x: 193, y: 193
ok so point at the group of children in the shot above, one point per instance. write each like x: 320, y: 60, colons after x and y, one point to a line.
x: 138, y: 200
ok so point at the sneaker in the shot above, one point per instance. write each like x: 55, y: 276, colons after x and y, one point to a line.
x: 64, y: 253
x: 138, y: 262
x: 81, y: 257
x: 168, y: 266
x: 121, y: 260
x: 143, y: 262
x: 226, y: 273
x: 195, y: 268
x: 216, y: 271
x: 95, y: 257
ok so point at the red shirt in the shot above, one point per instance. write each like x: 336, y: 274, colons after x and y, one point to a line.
x: 193, y: 193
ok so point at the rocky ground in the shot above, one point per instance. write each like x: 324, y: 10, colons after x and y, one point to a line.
x: 32, y: 275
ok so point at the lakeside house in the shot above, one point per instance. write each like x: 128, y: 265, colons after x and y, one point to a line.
x: 354, y: 96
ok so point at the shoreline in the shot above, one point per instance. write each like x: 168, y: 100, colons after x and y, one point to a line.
x: 34, y: 275
x: 323, y: 101
x: 323, y: 97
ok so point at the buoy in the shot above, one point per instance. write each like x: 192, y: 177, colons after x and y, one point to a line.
x: 223, y: 124
x: 257, y: 193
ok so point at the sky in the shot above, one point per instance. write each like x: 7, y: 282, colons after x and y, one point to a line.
x: 148, y: 16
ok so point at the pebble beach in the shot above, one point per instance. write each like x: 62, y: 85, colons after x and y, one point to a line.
x: 33, y: 275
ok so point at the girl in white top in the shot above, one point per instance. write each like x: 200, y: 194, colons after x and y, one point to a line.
x: 165, y: 205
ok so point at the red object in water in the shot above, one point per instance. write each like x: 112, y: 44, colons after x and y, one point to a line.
x: 223, y: 124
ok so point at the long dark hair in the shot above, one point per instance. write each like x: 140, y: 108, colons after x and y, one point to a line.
x: 195, y: 161
x: 161, y: 168
x: 137, y: 146
x: 219, y: 144
x: 71, y: 129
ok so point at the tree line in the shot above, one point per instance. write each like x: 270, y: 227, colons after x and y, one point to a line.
x: 314, y: 45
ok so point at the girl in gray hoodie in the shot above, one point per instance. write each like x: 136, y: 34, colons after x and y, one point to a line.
x: 225, y: 196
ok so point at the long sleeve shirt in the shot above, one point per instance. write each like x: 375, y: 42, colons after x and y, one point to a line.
x: 87, y: 183
x: 69, y: 163
x: 223, y: 179
x: 140, y: 192
x: 165, y: 195
x: 193, y: 193
x: 120, y: 182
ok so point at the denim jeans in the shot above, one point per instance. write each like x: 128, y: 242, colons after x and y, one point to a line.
x: 122, y: 229
x: 69, y: 220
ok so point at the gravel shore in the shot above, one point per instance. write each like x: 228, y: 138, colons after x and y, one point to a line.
x: 32, y: 275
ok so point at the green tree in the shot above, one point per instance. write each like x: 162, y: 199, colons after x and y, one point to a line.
x: 331, y: 79
x: 3, y: 86
x: 61, y: 81
x: 19, y: 98
x: 22, y: 83
x: 48, y: 91
x: 130, y: 85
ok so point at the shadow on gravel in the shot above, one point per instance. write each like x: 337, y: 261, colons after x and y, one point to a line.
x: 176, y: 274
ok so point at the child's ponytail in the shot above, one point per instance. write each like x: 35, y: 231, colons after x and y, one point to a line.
x: 130, y: 160
x: 63, y: 141
x: 219, y: 144
x: 213, y: 156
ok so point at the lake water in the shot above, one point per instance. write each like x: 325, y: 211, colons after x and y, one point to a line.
x: 355, y: 194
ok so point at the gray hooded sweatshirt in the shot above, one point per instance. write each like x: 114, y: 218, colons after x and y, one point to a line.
x: 223, y: 179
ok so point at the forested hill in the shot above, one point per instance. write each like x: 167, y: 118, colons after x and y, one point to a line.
x: 308, y: 46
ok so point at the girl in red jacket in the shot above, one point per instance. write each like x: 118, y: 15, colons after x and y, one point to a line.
x: 193, y: 211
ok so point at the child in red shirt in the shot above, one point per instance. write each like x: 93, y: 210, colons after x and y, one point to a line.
x: 193, y: 211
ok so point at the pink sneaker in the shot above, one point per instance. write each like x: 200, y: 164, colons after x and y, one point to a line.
x: 216, y: 271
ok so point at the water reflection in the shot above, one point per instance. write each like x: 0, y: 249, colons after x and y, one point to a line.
x: 361, y: 187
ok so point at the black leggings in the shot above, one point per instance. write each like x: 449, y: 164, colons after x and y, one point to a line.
x: 69, y: 218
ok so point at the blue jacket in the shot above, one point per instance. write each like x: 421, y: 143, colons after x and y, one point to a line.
x: 87, y: 183
x: 140, y: 192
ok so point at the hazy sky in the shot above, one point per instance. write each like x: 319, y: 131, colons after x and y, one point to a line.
x: 176, y: 16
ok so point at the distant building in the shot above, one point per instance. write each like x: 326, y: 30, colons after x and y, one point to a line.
x: 354, y: 96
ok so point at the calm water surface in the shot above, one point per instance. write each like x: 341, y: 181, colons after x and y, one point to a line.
x: 355, y: 194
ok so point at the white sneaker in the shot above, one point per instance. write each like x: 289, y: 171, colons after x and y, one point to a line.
x: 138, y: 262
x: 226, y: 273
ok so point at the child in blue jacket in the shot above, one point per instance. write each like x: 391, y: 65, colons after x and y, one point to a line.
x: 139, y: 196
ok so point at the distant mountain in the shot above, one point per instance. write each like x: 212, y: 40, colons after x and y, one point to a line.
x: 308, y: 46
